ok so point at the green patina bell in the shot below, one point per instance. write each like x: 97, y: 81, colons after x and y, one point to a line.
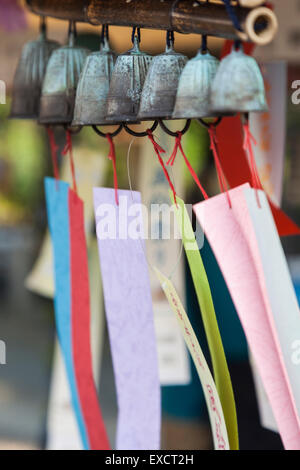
x: 30, y: 75
x: 60, y: 83
x: 194, y: 89
x: 238, y: 85
x: 127, y: 84
x: 159, y: 92
x: 93, y: 87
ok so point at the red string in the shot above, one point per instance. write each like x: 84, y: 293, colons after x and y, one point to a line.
x: 54, y: 149
x: 221, y: 176
x: 171, y: 161
x: 68, y: 149
x: 113, y: 158
x: 158, y: 150
x: 248, y: 140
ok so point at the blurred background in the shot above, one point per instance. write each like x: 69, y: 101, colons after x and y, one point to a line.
x: 34, y: 402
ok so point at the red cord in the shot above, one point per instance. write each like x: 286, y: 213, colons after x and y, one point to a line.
x: 171, y: 161
x: 68, y: 149
x: 248, y: 140
x: 54, y: 149
x: 113, y: 158
x: 158, y: 150
x: 221, y: 176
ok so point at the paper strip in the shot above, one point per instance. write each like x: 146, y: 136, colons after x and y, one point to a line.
x: 12, y: 15
x: 62, y: 429
x: 129, y: 314
x: 58, y: 217
x: 212, y: 399
x: 237, y: 171
x: 224, y: 228
x: 81, y: 322
x: 269, y: 130
x: 90, y: 171
x: 62, y: 432
x: 279, y: 294
x: 220, y: 368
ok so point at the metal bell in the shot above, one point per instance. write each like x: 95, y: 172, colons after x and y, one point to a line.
x: 194, y: 89
x: 238, y: 85
x: 93, y: 87
x: 29, y: 76
x: 60, y: 83
x: 159, y: 92
x: 127, y: 84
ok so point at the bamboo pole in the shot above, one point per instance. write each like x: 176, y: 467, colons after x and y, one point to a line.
x: 183, y: 16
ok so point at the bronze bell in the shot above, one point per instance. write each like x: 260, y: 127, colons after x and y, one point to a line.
x: 159, y: 92
x: 238, y: 85
x: 93, y: 86
x: 127, y: 84
x: 60, y: 83
x: 30, y: 74
x: 194, y: 89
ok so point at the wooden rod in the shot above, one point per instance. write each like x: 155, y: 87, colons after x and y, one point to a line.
x: 63, y: 10
x: 183, y: 16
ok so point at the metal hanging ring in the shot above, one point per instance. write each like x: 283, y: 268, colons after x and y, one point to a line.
x: 140, y: 134
x: 174, y: 134
x: 209, y: 124
x: 104, y: 134
x: 73, y: 130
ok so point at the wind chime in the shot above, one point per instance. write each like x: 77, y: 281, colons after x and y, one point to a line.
x: 70, y: 87
x: 74, y: 88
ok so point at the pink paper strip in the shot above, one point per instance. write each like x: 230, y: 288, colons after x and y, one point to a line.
x: 230, y: 234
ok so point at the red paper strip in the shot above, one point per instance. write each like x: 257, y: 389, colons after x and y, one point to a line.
x: 237, y: 170
x: 80, y: 304
x: 234, y: 160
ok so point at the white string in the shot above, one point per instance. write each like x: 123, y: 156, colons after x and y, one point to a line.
x: 142, y: 245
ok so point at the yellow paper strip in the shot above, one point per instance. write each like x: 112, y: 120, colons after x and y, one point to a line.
x: 212, y: 399
x: 220, y: 368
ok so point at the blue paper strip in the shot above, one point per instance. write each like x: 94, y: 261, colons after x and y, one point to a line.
x: 58, y: 219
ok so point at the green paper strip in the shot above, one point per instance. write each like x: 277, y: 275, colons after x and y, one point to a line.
x: 220, y: 367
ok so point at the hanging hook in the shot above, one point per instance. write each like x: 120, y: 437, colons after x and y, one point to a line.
x: 43, y: 25
x: 140, y: 134
x: 204, y: 48
x: 136, y: 30
x: 72, y: 33
x: 104, y: 33
x: 174, y: 134
x: 170, y: 38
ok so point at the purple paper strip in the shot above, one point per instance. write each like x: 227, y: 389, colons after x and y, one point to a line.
x: 130, y: 320
x: 12, y: 15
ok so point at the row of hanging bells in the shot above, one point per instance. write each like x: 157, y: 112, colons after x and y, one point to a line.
x: 70, y: 86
